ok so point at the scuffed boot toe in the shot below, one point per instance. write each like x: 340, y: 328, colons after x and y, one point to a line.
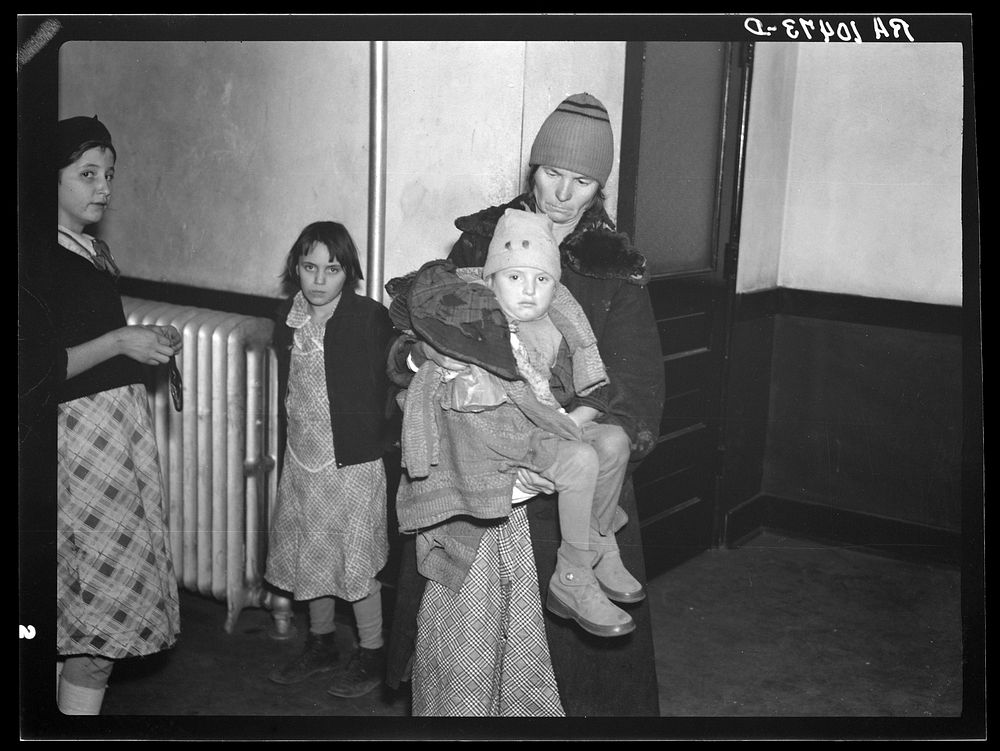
x: 318, y: 656
x: 364, y: 672
x: 575, y: 594
x: 561, y: 609
x: 616, y: 581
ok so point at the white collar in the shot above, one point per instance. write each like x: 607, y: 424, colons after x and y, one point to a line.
x: 298, y: 316
x: 76, y: 241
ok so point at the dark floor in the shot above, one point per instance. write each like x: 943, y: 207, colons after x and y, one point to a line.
x: 779, y: 628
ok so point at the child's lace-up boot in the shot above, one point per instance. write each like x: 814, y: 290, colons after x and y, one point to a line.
x: 318, y: 656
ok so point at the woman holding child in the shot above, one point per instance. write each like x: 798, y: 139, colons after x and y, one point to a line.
x: 492, y: 648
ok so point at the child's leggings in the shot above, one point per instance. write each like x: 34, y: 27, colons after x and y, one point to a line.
x: 588, y: 476
x: 367, y: 615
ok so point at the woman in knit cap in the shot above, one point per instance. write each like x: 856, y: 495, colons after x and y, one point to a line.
x: 542, y: 664
x: 116, y: 590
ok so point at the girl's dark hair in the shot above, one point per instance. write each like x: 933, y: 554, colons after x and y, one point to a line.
x: 529, y: 187
x: 84, y: 147
x: 337, y: 239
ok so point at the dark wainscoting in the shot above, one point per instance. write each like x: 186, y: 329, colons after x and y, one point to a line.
x: 845, y: 421
x: 870, y: 311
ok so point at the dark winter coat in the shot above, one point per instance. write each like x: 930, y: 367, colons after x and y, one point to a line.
x: 355, y: 346
x: 41, y: 356
x: 596, y: 677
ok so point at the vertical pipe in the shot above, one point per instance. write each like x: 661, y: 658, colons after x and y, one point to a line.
x: 376, y: 170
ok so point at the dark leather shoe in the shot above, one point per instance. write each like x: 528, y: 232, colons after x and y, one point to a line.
x: 364, y: 671
x: 318, y: 656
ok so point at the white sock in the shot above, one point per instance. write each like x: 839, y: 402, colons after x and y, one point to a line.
x: 78, y: 700
x: 59, y: 667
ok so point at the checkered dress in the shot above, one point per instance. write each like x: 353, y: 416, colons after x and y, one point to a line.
x: 116, y: 588
x: 482, y: 652
x: 328, y: 535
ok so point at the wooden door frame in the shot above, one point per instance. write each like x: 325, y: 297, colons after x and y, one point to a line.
x: 743, y: 55
x: 727, y: 211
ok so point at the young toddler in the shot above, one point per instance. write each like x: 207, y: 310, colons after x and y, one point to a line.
x: 522, y: 269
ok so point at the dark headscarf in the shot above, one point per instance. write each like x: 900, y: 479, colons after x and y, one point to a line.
x: 75, y: 132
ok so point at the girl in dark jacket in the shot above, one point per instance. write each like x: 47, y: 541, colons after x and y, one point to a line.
x: 116, y: 592
x: 328, y: 534
x: 571, y: 159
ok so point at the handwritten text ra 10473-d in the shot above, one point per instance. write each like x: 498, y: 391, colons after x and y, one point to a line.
x: 807, y: 29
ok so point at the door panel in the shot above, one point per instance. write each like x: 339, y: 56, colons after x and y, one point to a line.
x: 681, y: 139
x: 678, y: 178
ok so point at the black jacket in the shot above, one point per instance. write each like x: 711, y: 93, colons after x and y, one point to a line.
x: 355, y: 347
x: 86, y: 304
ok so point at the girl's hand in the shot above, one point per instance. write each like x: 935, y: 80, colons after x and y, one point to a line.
x: 172, y: 335
x: 533, y: 482
x: 145, y: 344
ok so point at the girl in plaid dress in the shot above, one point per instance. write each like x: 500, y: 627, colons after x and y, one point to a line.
x: 116, y: 589
x: 328, y: 536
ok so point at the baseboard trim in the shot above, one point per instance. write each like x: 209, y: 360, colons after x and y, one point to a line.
x: 894, y: 538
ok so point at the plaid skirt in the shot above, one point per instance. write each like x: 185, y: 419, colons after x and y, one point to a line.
x: 482, y: 652
x: 116, y: 592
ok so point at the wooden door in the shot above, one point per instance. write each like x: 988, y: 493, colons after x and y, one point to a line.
x: 682, y: 144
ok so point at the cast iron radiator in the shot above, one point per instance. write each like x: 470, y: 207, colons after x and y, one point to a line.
x: 218, y: 454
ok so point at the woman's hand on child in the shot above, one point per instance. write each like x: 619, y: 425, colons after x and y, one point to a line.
x: 146, y: 344
x: 534, y: 482
x: 583, y: 414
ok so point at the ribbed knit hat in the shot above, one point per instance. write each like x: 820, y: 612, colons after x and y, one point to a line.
x: 577, y: 137
x: 523, y: 239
